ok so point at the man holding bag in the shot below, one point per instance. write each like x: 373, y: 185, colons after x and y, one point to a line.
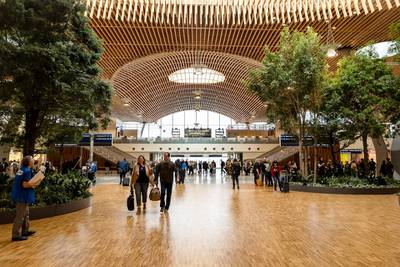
x: 166, y: 170
x: 23, y: 195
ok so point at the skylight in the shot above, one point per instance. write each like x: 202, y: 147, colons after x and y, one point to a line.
x: 197, y: 74
x: 382, y: 49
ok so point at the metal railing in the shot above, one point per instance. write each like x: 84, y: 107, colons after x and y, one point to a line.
x: 125, y: 140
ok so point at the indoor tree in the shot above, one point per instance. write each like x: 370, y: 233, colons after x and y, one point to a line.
x: 363, y: 94
x: 395, y: 34
x: 48, y: 72
x: 289, y: 81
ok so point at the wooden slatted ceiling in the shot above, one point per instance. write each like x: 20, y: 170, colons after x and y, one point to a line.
x: 146, y: 81
x: 132, y: 30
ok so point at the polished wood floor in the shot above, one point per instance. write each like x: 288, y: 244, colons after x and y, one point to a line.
x: 212, y: 225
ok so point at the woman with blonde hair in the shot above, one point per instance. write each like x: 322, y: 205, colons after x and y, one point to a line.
x: 142, y: 175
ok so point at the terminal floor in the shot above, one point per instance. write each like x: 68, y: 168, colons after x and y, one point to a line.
x: 209, y: 224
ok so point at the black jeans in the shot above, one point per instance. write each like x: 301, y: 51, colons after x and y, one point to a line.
x: 235, y: 179
x: 121, y: 176
x: 182, y: 174
x: 268, y: 179
x: 166, y: 187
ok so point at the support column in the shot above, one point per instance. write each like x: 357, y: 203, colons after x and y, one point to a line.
x: 395, y: 157
x: 91, y: 147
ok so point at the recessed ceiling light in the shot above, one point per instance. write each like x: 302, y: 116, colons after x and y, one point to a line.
x: 126, y: 104
x: 197, y: 97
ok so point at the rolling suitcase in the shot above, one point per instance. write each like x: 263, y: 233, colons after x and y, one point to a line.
x: 286, y: 184
x: 125, y: 181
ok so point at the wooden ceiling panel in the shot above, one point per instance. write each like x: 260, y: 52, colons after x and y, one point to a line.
x: 146, y: 40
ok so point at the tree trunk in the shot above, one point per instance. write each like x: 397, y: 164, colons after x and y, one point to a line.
x: 61, y: 157
x: 315, y: 164
x: 381, y: 152
x: 332, y: 147
x: 306, y: 156
x: 31, y: 119
x: 301, y: 152
x: 365, y: 150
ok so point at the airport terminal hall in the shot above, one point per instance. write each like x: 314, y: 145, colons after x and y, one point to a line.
x: 199, y: 133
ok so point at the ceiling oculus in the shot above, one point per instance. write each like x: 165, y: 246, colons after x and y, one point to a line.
x: 197, y: 74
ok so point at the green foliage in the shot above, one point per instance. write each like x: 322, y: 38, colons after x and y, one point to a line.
x: 395, y: 33
x: 362, y: 97
x: 350, y: 181
x: 58, y: 188
x: 5, y: 191
x: 49, y: 77
x: 290, y: 78
x: 55, y: 189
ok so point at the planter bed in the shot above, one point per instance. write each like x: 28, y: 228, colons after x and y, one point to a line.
x: 48, y: 211
x: 344, y: 190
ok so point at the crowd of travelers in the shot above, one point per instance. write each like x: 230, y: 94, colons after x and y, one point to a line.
x: 354, y: 168
x: 11, y: 167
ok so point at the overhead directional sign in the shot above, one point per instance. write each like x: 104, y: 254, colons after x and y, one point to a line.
x: 293, y: 140
x: 288, y: 140
x: 196, y: 132
x: 99, y: 140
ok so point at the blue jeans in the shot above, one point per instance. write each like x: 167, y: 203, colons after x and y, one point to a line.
x: 276, y: 181
x: 121, y: 176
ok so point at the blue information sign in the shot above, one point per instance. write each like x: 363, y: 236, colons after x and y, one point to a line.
x: 99, y: 140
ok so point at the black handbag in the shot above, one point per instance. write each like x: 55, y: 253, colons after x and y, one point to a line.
x: 130, y: 202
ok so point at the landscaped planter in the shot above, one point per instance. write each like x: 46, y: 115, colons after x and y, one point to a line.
x: 48, y: 211
x: 346, y: 190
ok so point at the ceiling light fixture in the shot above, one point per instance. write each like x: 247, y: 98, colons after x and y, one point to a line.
x: 197, y: 74
x: 331, y: 42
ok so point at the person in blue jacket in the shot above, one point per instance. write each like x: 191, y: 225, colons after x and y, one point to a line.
x: 122, y: 169
x: 23, y: 195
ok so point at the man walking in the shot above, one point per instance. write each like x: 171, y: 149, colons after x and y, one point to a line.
x: 122, y: 169
x: 236, y: 168
x: 166, y: 170
x: 182, y: 171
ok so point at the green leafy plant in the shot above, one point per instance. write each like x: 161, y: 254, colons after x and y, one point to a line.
x: 55, y: 189
x: 355, y: 182
x: 48, y: 68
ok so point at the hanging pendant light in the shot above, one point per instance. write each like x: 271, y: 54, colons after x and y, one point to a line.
x: 331, y: 42
x: 331, y: 53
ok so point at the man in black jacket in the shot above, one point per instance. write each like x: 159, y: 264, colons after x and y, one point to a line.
x: 166, y: 170
x: 236, y: 168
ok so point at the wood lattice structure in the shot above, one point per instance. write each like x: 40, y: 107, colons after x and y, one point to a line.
x: 147, y: 40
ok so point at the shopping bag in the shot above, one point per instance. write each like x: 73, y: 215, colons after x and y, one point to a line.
x: 259, y: 182
x: 155, y: 194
